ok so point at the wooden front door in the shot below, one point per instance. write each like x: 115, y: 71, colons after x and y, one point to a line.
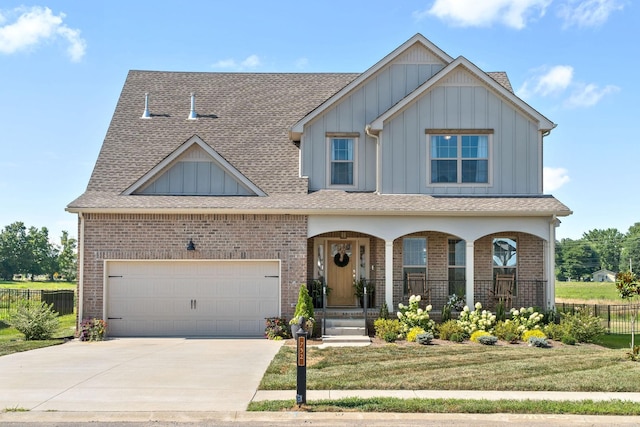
x: 341, y: 270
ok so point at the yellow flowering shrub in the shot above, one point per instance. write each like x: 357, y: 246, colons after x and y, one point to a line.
x: 414, y: 332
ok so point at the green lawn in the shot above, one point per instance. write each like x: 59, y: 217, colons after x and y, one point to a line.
x: 453, y: 406
x: 604, y: 292
x: 464, y: 366
x: 12, y: 341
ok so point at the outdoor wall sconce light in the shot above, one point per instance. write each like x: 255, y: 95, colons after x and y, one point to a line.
x: 191, y: 246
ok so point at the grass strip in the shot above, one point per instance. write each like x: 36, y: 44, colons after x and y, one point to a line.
x: 444, y: 406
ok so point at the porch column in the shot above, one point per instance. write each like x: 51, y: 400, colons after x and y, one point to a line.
x: 468, y: 271
x: 388, y: 274
x: 550, y: 265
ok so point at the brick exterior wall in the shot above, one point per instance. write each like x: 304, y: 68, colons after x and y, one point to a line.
x: 165, y: 236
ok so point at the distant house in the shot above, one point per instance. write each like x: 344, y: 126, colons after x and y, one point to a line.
x: 604, y: 275
x: 216, y: 195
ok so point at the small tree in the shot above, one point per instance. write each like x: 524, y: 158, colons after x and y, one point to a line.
x: 304, y: 308
x: 629, y: 290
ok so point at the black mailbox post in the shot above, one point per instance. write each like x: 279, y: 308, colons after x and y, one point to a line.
x: 301, y: 358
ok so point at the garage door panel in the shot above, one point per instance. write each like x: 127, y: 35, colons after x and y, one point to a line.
x: 191, y: 298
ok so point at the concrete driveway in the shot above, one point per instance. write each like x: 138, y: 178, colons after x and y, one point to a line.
x: 137, y: 374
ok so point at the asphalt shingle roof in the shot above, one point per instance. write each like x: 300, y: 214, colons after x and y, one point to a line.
x: 246, y: 118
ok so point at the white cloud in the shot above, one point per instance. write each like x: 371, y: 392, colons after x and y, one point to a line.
x: 554, y: 178
x: 35, y: 26
x: 484, y: 13
x: 547, y: 81
x: 588, y: 95
x: 252, y: 61
x: 588, y: 13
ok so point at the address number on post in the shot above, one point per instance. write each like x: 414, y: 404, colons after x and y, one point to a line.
x: 302, y: 348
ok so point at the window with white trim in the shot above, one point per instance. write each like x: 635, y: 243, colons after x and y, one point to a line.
x: 414, y: 258
x: 505, y: 256
x: 342, y: 161
x: 457, y: 250
x: 461, y: 158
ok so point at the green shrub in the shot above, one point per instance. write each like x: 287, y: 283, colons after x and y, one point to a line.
x: 304, y: 308
x: 476, y: 320
x: 457, y: 337
x: 487, y: 340
x: 507, y: 331
x: 568, y: 339
x: 538, y: 342
x: 390, y: 336
x: 36, y: 320
x: 414, y: 332
x: 384, y: 311
x: 534, y: 333
x: 412, y: 315
x: 501, y: 314
x: 448, y: 328
x: 424, y: 339
x: 554, y: 331
x: 477, y: 334
x: 582, y: 326
x: 385, y: 326
x: 92, y: 330
x: 446, y: 313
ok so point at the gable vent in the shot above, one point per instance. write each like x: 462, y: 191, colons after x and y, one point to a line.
x: 146, y: 114
x: 192, y: 114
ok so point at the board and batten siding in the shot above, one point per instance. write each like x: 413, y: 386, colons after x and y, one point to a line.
x: 360, y: 107
x: 514, y: 155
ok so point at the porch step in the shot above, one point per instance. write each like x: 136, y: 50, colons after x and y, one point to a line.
x: 344, y: 326
x: 345, y: 341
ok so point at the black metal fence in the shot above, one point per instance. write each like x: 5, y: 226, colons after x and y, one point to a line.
x: 616, y: 318
x: 10, y: 299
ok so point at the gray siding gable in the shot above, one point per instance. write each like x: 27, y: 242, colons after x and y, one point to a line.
x: 366, y: 101
x: 194, y: 170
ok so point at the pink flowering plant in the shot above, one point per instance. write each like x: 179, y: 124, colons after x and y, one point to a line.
x: 92, y: 330
x: 413, y: 316
x: 476, y: 320
x: 277, y: 328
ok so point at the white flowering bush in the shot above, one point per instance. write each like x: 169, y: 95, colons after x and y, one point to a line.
x: 525, y: 319
x: 413, y: 316
x: 476, y: 320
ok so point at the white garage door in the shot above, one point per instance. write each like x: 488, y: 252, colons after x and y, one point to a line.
x: 191, y: 298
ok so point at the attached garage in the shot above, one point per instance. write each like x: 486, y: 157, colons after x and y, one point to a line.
x: 226, y: 298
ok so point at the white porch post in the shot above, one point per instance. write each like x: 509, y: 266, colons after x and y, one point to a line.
x: 550, y: 252
x: 469, y: 255
x: 388, y: 274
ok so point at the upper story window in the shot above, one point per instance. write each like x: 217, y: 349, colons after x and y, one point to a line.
x: 342, y: 164
x: 459, y: 158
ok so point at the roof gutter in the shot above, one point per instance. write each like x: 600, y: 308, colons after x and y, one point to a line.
x: 367, y: 130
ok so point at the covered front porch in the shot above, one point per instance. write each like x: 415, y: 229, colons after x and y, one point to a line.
x: 398, y: 256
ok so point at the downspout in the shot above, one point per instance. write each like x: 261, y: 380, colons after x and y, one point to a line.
x: 367, y: 130
x: 80, y: 271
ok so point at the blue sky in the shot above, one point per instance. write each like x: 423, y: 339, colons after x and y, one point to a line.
x: 63, y: 64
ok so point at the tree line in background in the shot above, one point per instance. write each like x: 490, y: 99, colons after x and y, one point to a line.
x: 28, y: 252
x: 598, y: 249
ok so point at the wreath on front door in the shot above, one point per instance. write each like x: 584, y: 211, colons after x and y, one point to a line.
x: 341, y: 260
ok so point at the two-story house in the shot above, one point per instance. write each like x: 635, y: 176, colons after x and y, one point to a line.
x: 215, y: 196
